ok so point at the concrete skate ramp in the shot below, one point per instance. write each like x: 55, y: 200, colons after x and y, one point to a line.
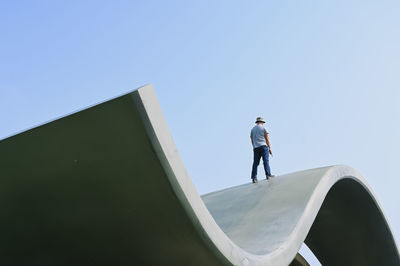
x: 106, y: 186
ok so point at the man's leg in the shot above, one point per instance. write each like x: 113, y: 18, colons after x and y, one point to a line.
x: 265, y: 156
x: 256, y: 162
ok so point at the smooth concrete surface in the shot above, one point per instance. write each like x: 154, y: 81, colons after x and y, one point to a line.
x: 331, y: 208
x: 106, y: 186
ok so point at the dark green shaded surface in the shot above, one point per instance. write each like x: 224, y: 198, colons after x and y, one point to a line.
x: 350, y: 230
x: 88, y: 189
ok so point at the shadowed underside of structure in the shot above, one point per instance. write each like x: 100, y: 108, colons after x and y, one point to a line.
x: 106, y: 186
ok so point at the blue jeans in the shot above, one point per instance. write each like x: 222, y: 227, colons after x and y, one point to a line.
x: 261, y: 152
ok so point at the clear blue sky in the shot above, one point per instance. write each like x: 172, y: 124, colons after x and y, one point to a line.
x: 325, y: 75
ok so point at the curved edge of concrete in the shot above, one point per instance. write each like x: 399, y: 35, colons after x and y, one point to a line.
x: 322, y: 181
x: 75, y: 191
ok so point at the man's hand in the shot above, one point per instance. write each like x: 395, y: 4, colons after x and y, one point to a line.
x: 268, y: 145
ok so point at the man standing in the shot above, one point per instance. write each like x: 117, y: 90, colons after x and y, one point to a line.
x: 261, y: 148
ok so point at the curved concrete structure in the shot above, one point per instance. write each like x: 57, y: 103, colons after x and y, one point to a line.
x: 106, y: 186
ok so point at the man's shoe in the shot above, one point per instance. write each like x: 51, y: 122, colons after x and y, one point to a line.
x: 254, y: 180
x: 270, y: 176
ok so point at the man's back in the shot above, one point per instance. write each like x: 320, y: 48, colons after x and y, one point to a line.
x: 258, y: 135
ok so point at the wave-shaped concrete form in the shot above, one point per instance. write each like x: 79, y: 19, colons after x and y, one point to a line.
x: 106, y: 186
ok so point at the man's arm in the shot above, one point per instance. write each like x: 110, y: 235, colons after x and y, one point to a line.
x: 268, y: 144
x: 251, y: 138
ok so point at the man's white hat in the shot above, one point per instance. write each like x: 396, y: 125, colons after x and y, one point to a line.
x: 260, y: 119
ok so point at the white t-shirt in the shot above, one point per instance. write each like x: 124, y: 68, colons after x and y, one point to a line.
x: 258, y: 133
